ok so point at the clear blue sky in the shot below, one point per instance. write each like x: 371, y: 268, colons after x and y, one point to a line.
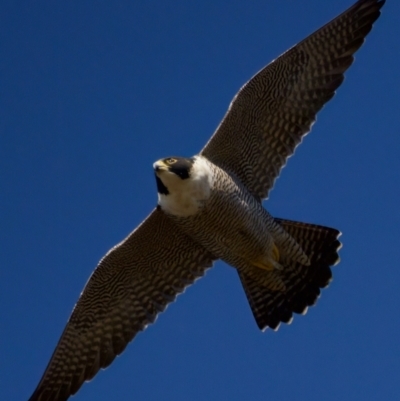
x: 91, y: 94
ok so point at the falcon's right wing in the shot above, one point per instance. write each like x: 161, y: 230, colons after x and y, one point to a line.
x: 133, y: 283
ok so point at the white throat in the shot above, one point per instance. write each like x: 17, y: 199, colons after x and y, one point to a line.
x: 187, y: 196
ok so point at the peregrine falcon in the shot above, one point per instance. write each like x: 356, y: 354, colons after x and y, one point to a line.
x: 210, y: 208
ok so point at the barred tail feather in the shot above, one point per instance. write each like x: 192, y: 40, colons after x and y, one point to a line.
x: 303, y: 283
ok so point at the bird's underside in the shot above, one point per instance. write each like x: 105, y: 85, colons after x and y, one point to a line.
x: 139, y: 277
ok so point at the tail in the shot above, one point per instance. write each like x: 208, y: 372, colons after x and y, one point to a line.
x: 302, y: 283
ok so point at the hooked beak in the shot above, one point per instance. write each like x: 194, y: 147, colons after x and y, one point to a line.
x: 159, y: 166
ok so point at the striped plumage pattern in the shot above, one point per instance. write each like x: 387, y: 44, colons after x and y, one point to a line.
x: 135, y: 281
x: 272, y: 112
x: 302, y: 283
x: 238, y: 234
x: 265, y: 122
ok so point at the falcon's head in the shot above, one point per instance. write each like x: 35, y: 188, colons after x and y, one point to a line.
x: 170, y: 171
x: 182, y: 184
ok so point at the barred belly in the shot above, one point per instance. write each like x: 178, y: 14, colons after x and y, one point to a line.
x: 232, y: 225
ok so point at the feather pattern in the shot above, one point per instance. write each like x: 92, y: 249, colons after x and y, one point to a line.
x: 272, y: 112
x: 134, y: 282
x: 139, y: 277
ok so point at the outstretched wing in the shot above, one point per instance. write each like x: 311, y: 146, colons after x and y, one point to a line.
x: 133, y: 283
x: 272, y: 112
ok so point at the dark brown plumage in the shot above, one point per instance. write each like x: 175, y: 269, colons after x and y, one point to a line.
x: 303, y: 283
x: 135, y: 281
x: 139, y: 277
x: 278, y: 106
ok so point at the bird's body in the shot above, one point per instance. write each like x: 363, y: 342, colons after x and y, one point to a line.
x: 210, y: 208
x: 214, y: 208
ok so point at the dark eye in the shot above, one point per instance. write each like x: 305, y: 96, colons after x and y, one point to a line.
x: 171, y: 160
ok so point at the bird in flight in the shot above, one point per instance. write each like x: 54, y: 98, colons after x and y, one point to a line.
x: 210, y: 208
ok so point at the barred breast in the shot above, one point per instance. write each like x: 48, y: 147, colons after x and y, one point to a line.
x: 233, y: 225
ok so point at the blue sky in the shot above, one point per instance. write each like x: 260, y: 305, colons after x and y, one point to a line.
x: 92, y: 94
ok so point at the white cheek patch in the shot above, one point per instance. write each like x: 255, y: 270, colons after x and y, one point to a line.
x: 187, y: 196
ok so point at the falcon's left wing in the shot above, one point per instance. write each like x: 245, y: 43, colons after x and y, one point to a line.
x: 133, y: 283
x: 272, y: 112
